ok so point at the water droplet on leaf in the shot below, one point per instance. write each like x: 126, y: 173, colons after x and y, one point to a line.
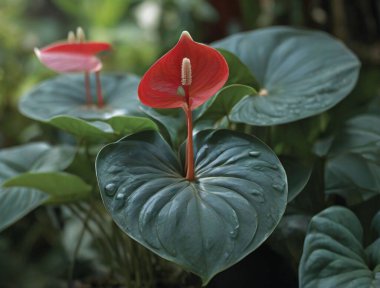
x: 110, y: 189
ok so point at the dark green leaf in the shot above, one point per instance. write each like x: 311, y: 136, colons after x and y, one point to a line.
x: 298, y: 175
x: 61, y: 187
x: 65, y: 95
x: 333, y: 254
x: 205, y: 225
x: 16, y: 202
x: 353, y: 177
x: 303, y: 73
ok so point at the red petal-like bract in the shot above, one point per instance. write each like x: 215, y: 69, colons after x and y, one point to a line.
x: 209, y: 71
x: 72, y: 57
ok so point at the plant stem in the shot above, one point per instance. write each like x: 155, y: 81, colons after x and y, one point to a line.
x: 87, y: 85
x: 99, y: 90
x: 189, y: 145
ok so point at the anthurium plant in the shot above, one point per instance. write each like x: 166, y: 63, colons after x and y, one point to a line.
x: 214, y: 151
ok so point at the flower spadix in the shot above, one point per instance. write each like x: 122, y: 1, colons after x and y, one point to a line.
x: 189, y: 74
x: 73, y: 55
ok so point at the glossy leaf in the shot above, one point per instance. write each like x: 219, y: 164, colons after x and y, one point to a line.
x: 60, y: 186
x: 333, y: 254
x: 207, y: 68
x: 303, y: 73
x: 109, y: 129
x: 66, y: 95
x: 353, y: 177
x: 16, y: 202
x: 205, y: 225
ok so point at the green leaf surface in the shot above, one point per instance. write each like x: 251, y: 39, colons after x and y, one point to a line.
x: 298, y: 175
x: 215, y: 113
x: 16, y: 202
x: 38, y: 157
x: 353, y: 177
x: 303, y: 73
x: 333, y: 254
x: 65, y: 95
x: 205, y: 225
x: 60, y: 186
x: 109, y: 129
x: 360, y: 134
x: 238, y: 72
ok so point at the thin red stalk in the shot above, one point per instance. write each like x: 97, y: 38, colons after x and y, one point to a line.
x: 189, y: 145
x: 99, y: 90
x: 87, y: 85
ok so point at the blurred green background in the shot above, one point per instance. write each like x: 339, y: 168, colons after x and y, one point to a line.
x: 31, y: 252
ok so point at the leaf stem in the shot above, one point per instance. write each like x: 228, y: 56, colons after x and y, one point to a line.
x: 87, y: 85
x: 99, y: 90
x: 189, y: 145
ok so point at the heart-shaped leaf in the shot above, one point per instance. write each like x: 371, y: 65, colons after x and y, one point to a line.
x: 16, y: 202
x: 205, y: 225
x: 66, y: 95
x: 334, y: 256
x: 107, y: 129
x: 301, y: 73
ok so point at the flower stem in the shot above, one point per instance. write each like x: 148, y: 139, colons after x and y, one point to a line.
x: 189, y: 145
x: 87, y: 84
x: 99, y: 90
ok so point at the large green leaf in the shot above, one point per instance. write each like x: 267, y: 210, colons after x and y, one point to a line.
x: 205, y: 225
x: 65, y: 95
x: 16, y: 202
x: 353, y: 177
x: 108, y: 129
x: 334, y: 256
x: 60, y: 186
x: 303, y: 72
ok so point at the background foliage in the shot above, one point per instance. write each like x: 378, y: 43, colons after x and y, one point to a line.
x: 140, y: 32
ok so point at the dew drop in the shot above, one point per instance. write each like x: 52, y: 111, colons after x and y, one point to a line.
x: 110, y: 189
x: 119, y: 202
x: 254, y: 153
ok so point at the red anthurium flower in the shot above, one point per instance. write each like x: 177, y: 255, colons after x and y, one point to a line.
x: 76, y: 55
x: 189, y: 74
x: 185, y: 77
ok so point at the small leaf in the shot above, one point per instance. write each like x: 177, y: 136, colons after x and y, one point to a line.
x: 301, y: 73
x: 16, y: 202
x: 333, y: 254
x: 218, y: 109
x: 205, y: 225
x: 109, y: 129
x: 60, y: 186
x: 238, y: 72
